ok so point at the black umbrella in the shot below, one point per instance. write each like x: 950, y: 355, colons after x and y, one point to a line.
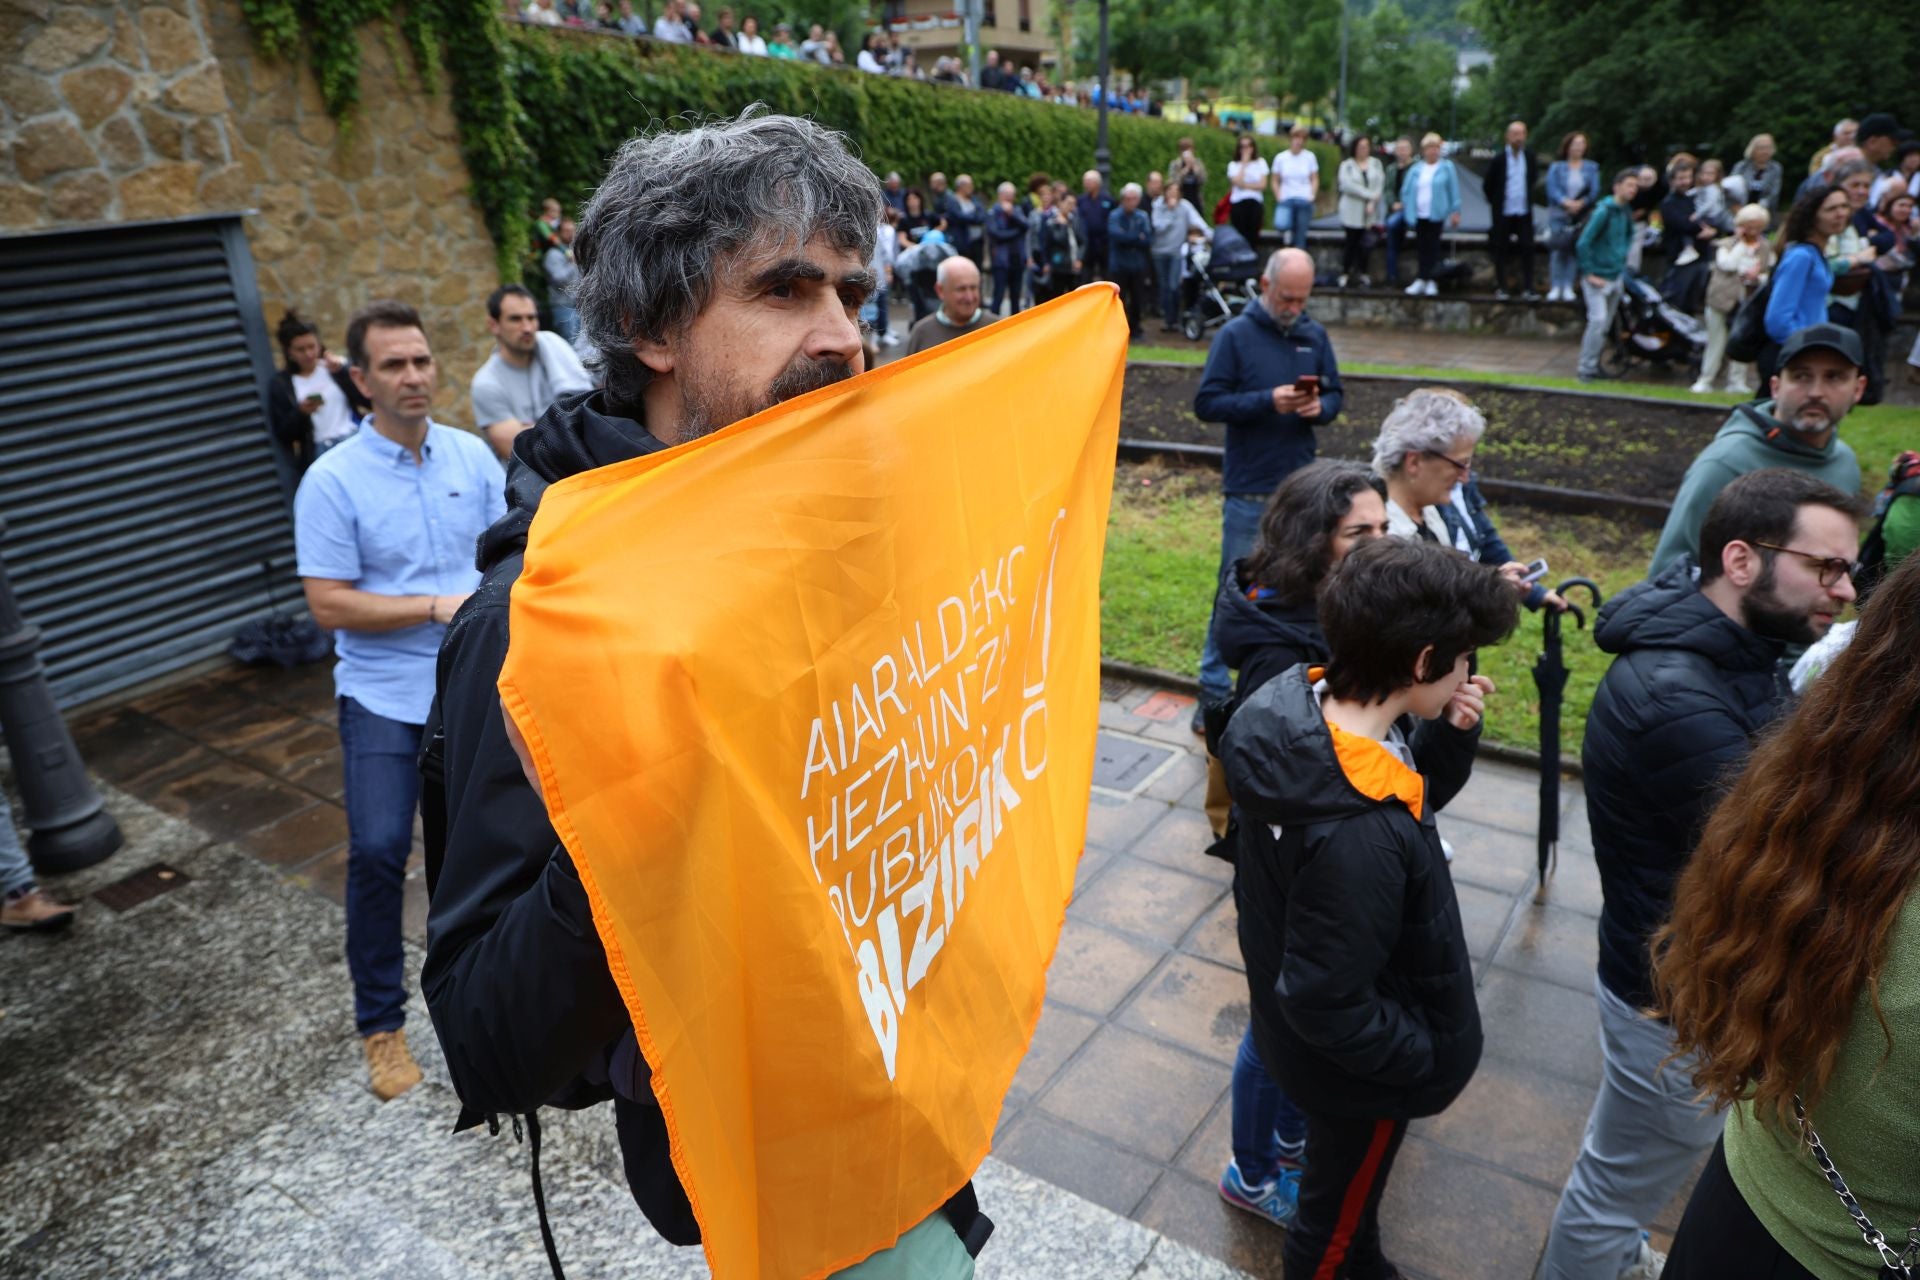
x: 1550, y: 677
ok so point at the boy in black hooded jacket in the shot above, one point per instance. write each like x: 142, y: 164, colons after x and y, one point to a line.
x: 1360, y: 980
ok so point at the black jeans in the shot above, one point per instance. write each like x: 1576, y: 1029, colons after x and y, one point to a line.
x: 1136, y: 291
x: 1720, y: 1236
x: 1338, y: 1230
x: 1513, y: 233
x: 1245, y: 216
x: 1426, y: 237
x: 1353, y: 258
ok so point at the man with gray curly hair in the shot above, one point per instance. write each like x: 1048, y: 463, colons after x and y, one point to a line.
x: 722, y: 270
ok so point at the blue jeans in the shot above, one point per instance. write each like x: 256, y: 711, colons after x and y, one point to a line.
x: 16, y: 872
x: 874, y: 313
x: 1563, y: 267
x: 382, y: 760
x: 1264, y: 1117
x: 1166, y: 272
x: 1292, y: 218
x: 1396, y: 234
x: 566, y: 321
x: 1239, y: 529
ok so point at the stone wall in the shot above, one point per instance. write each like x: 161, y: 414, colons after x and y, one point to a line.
x: 118, y: 112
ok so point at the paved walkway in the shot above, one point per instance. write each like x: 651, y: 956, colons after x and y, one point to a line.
x: 190, y: 1099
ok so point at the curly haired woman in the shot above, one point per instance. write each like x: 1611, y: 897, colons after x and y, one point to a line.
x: 1791, y: 968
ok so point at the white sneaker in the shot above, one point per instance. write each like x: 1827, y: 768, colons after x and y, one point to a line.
x: 1433, y: 289
x: 1739, y: 389
x: 1648, y: 1265
x: 1701, y: 387
x: 1417, y: 288
x: 890, y: 340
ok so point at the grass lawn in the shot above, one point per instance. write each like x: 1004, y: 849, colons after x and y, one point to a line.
x: 1876, y: 432
x: 1163, y: 548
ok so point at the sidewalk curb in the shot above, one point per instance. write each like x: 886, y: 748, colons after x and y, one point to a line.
x: 1521, y: 756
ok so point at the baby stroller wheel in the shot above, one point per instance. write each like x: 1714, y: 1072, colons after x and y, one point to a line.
x: 1614, y: 357
x: 1190, y: 327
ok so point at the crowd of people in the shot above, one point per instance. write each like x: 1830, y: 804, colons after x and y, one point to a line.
x: 1340, y: 703
x: 880, y: 52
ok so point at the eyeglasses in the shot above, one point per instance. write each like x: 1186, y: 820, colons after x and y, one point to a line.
x: 1463, y: 469
x: 1832, y: 568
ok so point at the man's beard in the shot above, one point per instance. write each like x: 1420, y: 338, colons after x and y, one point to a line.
x: 709, y: 403
x: 1766, y: 616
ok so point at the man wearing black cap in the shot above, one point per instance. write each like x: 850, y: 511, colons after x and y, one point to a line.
x: 1820, y: 378
x: 1877, y: 137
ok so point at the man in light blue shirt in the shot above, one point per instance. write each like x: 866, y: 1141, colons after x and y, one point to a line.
x: 385, y: 526
x: 1509, y: 188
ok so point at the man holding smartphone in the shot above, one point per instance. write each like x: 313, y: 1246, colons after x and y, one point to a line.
x: 1271, y: 377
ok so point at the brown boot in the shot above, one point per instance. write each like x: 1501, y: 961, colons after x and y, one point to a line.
x: 391, y: 1070
x: 34, y: 911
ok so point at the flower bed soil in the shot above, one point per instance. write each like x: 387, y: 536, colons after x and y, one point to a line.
x: 1597, y: 443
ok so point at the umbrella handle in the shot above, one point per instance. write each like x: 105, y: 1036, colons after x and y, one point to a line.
x: 1593, y: 591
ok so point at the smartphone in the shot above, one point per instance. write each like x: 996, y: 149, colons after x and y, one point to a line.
x: 1307, y: 384
x: 1536, y: 570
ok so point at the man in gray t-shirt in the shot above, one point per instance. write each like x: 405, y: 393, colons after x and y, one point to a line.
x: 527, y: 371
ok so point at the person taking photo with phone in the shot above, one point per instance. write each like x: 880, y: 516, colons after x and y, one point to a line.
x: 1425, y: 454
x: 1271, y: 377
x: 312, y: 402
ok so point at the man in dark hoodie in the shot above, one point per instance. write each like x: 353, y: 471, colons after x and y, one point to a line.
x: 1821, y: 377
x: 1357, y: 965
x: 722, y: 271
x: 1271, y: 377
x: 1696, y: 676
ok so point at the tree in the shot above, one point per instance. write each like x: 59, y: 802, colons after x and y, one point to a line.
x: 1399, y: 82
x: 1150, y: 40
x: 1700, y: 74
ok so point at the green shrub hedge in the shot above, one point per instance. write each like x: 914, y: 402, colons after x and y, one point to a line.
x: 581, y: 95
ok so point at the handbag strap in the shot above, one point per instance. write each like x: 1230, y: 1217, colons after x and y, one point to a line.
x: 1905, y: 1263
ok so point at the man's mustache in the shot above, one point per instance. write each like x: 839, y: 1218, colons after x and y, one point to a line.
x: 805, y: 375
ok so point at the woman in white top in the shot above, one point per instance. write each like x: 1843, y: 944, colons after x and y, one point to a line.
x: 750, y: 40
x: 1741, y: 265
x: 1247, y: 176
x: 1363, y: 184
x: 1431, y: 193
x: 1296, y: 185
x: 312, y: 402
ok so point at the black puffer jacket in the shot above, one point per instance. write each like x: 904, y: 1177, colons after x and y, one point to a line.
x: 1357, y: 966
x: 1262, y: 638
x: 1674, y: 718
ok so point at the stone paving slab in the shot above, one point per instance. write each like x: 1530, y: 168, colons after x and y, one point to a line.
x: 1120, y: 1107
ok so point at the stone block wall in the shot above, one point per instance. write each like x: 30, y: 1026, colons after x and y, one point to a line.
x: 119, y: 111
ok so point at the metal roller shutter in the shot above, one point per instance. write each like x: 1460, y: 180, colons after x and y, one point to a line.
x: 141, y: 489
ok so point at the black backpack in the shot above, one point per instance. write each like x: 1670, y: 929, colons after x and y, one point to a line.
x: 1903, y: 481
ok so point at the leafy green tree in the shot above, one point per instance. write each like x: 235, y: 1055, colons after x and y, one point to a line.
x: 1150, y: 40
x: 1399, y: 82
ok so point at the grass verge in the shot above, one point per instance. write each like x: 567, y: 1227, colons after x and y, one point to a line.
x: 1163, y: 549
x: 1876, y: 432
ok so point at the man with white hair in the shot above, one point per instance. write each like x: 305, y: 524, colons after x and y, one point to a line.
x: 1843, y: 136
x: 957, y: 282
x: 1271, y: 377
x: 1007, y: 229
x: 1130, y: 255
x: 1095, y: 207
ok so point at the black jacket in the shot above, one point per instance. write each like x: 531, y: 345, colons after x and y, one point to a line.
x: 1357, y: 966
x: 1262, y: 638
x: 1674, y: 717
x: 292, y: 426
x: 515, y: 976
x: 1494, y: 185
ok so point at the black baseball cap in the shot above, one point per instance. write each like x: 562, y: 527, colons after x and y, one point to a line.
x: 1833, y: 337
x: 1878, y: 125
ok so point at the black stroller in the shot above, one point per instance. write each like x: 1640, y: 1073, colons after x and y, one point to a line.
x: 1651, y: 330
x: 1223, y: 277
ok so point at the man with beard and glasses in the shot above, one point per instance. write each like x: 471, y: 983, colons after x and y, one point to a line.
x: 1821, y: 376
x: 723, y: 269
x: 1696, y: 676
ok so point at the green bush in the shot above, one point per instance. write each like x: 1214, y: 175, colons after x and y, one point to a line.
x: 582, y: 94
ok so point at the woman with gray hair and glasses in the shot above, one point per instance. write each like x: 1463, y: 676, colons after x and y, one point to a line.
x: 1425, y: 454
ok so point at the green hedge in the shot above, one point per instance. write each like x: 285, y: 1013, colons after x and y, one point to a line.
x: 581, y: 95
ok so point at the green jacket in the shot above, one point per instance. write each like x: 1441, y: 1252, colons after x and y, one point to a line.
x: 1605, y: 240
x: 1869, y: 1122
x: 1752, y: 440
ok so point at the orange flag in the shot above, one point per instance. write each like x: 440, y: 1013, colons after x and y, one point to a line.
x: 813, y: 702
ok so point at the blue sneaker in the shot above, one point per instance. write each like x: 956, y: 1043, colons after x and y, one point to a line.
x: 1277, y: 1201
